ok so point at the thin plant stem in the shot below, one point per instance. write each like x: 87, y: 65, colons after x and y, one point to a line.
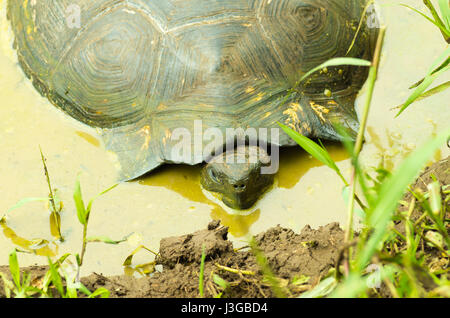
x: 373, y: 73
x: 351, y: 206
x: 358, y: 200
x: 52, y: 198
x: 83, y: 247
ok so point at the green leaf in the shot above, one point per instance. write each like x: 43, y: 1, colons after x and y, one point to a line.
x: 79, y: 204
x: 437, y: 18
x: 422, y: 14
x: 311, y: 147
x: 25, y: 201
x: 421, y: 89
x: 442, y: 61
x: 445, y: 11
x: 337, y: 62
x: 77, y: 257
x: 324, y: 288
x: 70, y: 287
x: 102, y: 292
x: 103, y: 239
x: 436, y: 22
x: 89, y: 207
x: 435, y: 90
x: 56, y: 278
x: 440, y: 67
x: 220, y: 281
x: 14, y: 268
x: 62, y: 259
x: 391, y: 191
x: 84, y: 290
x: 356, y: 284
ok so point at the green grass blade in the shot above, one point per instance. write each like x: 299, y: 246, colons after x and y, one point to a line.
x: 25, y: 201
x: 324, y: 288
x: 421, y: 89
x: 102, y: 292
x: 14, y: 268
x: 444, y: 64
x: 129, y: 258
x: 84, y: 290
x: 89, y: 207
x: 311, y: 147
x: 106, y: 240
x: 436, y: 23
x: 434, y: 91
x: 391, y: 192
x: 445, y: 12
x: 202, y: 272
x: 70, y: 287
x: 337, y: 62
x: 437, y: 18
x: 220, y: 281
x: 56, y: 278
x: 442, y: 61
x: 421, y: 13
x: 62, y: 259
x: 79, y: 204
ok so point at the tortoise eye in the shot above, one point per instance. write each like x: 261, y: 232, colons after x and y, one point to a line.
x: 214, y: 176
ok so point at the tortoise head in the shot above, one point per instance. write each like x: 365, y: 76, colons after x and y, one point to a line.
x: 237, y: 176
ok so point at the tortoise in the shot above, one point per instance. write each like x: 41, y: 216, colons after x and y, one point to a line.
x: 143, y: 71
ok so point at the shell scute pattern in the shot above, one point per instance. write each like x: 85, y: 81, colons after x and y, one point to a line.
x: 139, y: 69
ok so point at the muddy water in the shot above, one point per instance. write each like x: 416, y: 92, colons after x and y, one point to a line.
x: 170, y: 201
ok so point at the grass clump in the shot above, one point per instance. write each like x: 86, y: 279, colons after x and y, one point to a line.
x: 62, y: 278
x: 379, y: 245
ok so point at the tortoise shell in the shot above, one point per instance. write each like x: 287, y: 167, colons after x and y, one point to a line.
x: 139, y: 69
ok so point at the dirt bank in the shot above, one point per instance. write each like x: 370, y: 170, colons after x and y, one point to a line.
x: 308, y: 255
x: 298, y: 261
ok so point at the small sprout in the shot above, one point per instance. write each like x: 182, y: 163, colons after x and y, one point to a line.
x: 220, y: 281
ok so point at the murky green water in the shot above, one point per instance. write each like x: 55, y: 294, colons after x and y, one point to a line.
x: 170, y: 200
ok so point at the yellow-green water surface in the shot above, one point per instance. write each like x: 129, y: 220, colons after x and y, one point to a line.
x: 170, y: 201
